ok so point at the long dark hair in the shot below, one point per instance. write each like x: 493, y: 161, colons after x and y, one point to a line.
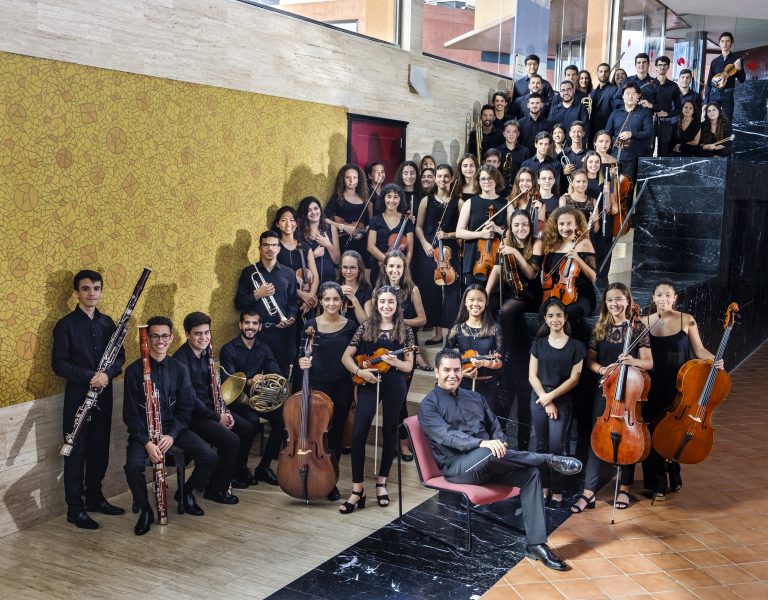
x: 417, y: 191
x: 302, y: 211
x: 362, y: 183
x: 489, y: 324
x: 280, y: 212
x: 371, y: 328
x: 543, y: 327
x: 391, y: 187
x: 461, y: 181
x: 606, y: 319
x: 362, y: 281
x: 527, y: 249
x: 406, y: 281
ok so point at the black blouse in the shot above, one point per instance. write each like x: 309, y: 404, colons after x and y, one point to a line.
x: 609, y: 348
x: 463, y: 337
x: 383, y: 341
x: 327, y: 351
x: 555, y: 364
x: 383, y: 231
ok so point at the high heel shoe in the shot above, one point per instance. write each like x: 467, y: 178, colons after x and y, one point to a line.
x: 382, y: 500
x: 590, y: 503
x: 349, y: 507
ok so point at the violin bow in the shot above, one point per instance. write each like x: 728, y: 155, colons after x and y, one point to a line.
x: 501, y: 210
x: 632, y: 346
x: 365, y: 207
x: 442, y: 216
x: 592, y: 220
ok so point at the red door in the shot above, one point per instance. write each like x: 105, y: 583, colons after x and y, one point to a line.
x: 376, y: 140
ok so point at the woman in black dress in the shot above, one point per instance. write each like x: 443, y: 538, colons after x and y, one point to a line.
x: 388, y: 225
x: 322, y: 238
x: 715, y: 131
x: 476, y: 329
x: 554, y: 370
x: 428, y: 181
x: 408, y: 178
x: 348, y: 206
x: 474, y: 213
x: 385, y: 329
x: 296, y: 256
x: 549, y: 191
x: 437, y: 218
x: 605, y: 351
x: 687, y: 134
x: 675, y: 339
x: 466, y: 177
x: 564, y: 227
x: 327, y: 374
x: 525, y: 190
x: 355, y: 288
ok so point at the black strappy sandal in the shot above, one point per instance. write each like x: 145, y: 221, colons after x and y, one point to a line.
x: 590, y: 503
x: 349, y: 507
x: 382, y: 500
x: 622, y: 505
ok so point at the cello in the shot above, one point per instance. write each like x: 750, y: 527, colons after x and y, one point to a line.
x: 685, y: 434
x: 307, y: 469
x: 620, y: 437
x: 486, y: 252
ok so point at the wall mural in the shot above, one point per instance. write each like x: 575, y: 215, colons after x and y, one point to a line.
x: 113, y: 171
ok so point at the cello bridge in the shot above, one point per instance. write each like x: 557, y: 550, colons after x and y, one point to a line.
x: 303, y: 452
x: 695, y: 418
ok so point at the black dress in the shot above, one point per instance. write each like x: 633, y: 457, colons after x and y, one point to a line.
x: 363, y: 294
x: 326, y: 268
x: 585, y: 290
x: 383, y: 232
x: 349, y: 213
x: 669, y: 352
x: 441, y: 303
x: 478, y: 214
x: 683, y: 136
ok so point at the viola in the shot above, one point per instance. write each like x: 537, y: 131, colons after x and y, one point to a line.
x: 721, y: 79
x: 685, y: 434
x: 469, y: 356
x: 376, y: 361
x: 307, y: 469
x: 445, y: 274
x: 487, y: 251
x: 620, y: 436
x: 397, y: 241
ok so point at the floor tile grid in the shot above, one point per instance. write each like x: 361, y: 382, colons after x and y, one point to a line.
x: 707, y: 541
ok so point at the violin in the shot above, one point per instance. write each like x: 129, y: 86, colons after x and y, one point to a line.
x: 487, y: 251
x: 307, y: 469
x: 537, y: 224
x: 445, y: 274
x: 376, y: 361
x: 469, y: 356
x: 685, y: 434
x: 620, y: 436
x: 564, y: 289
x: 721, y: 79
x: 360, y: 227
x: 510, y: 274
x: 618, y: 194
x: 397, y: 241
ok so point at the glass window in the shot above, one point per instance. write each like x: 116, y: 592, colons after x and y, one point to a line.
x: 377, y: 19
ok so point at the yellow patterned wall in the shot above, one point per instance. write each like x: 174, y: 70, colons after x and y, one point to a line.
x: 114, y: 171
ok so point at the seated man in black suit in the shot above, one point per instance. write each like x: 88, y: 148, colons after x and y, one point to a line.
x: 470, y: 447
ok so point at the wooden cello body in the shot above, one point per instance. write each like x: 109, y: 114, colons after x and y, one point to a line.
x: 685, y: 434
x: 620, y: 436
x: 307, y: 469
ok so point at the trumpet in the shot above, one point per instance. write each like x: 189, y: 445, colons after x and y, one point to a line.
x: 587, y: 102
x: 269, y: 301
x: 565, y: 161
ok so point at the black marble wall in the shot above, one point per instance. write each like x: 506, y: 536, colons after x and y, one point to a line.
x: 750, y: 121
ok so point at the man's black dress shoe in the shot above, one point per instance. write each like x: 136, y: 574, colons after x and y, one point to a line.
x: 433, y: 342
x: 266, y: 475
x: 190, y: 505
x: 221, y: 497
x: 82, y: 520
x: 146, y: 518
x: 544, y: 553
x: 565, y: 465
x: 104, y: 507
x: 334, y: 495
x: 241, y: 484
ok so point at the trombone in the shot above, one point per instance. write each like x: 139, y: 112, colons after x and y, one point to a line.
x: 587, y: 103
x: 269, y: 301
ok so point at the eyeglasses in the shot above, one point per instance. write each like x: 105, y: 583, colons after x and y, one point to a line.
x: 485, y: 179
x: 266, y: 245
x: 155, y: 337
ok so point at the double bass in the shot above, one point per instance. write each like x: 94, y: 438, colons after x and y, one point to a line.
x: 307, y: 469
x: 620, y: 437
x: 685, y: 434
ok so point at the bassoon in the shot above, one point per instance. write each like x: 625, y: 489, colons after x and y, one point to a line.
x: 154, y: 427
x: 83, y: 414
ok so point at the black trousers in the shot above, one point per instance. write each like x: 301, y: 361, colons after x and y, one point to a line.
x: 276, y: 429
x: 282, y: 342
x: 85, y: 467
x: 341, y: 393
x: 658, y: 474
x: 517, y: 468
x: 233, y: 446
x: 392, y: 396
x: 596, y: 468
x: 663, y: 132
x: 194, y: 447
x: 551, y: 435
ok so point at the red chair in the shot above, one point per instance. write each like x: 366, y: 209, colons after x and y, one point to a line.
x: 432, y: 478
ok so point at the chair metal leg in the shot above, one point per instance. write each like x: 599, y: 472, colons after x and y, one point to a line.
x: 469, y: 524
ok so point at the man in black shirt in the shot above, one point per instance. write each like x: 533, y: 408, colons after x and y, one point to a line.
x: 542, y: 157
x: 569, y: 109
x: 470, y: 447
x: 274, y: 300
x: 230, y: 434
x: 79, y: 341
x: 176, y: 400
x: 248, y: 355
x: 519, y: 108
x: 601, y: 100
x: 534, y: 123
x: 666, y: 106
x: 532, y: 67
x: 491, y: 137
x: 687, y: 93
x: 512, y: 153
x: 571, y: 73
x: 633, y: 125
x: 645, y: 83
x: 727, y: 57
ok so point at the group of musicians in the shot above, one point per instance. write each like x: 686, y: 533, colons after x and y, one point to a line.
x: 440, y: 249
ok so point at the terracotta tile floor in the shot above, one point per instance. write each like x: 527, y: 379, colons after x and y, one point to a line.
x: 708, y: 541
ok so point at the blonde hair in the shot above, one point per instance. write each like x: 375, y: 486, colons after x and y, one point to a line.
x: 606, y: 319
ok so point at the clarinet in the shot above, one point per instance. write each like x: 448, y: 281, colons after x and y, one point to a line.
x: 154, y: 427
x: 83, y: 414
x: 218, y: 401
